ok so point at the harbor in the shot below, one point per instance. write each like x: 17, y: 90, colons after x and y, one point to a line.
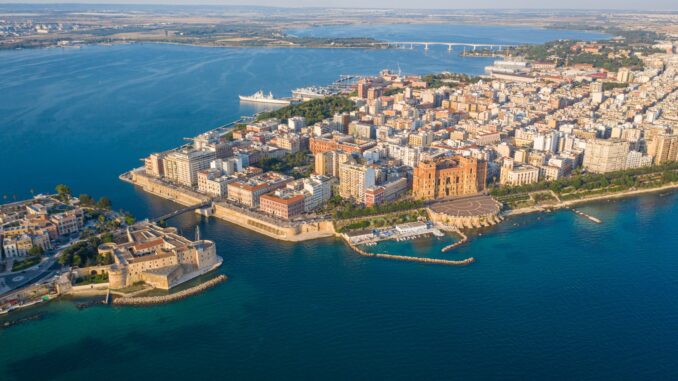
x: 415, y: 238
x: 345, y: 84
x: 399, y: 233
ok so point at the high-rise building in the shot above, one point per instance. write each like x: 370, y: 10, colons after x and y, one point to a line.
x: 546, y: 142
x: 605, y: 155
x: 327, y: 163
x: 624, y: 75
x: 182, y: 165
x: 447, y: 177
x: 362, y: 88
x: 153, y: 165
x: 421, y: 139
x: 663, y: 148
x: 354, y: 179
x: 374, y: 93
x: 341, y: 121
x: 296, y: 123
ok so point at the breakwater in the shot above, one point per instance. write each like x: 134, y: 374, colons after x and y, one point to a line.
x: 463, y: 240
x: 463, y: 262
x: 146, y: 300
x: 587, y: 216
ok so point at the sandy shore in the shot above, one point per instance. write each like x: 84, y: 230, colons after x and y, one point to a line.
x: 609, y: 196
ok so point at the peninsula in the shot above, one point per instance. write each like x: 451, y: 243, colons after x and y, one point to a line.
x: 547, y: 128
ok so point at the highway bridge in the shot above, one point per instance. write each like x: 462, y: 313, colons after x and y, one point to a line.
x: 449, y: 45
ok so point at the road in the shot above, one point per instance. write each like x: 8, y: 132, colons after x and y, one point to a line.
x: 13, y: 283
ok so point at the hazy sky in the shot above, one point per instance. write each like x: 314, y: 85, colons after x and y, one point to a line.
x: 558, y: 4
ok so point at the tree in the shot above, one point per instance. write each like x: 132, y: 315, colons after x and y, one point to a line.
x: 63, y: 191
x: 129, y: 219
x: 86, y: 200
x: 107, y: 237
x: 35, y: 251
x: 104, y: 203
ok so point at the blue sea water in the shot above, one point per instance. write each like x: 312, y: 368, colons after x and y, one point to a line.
x: 551, y: 296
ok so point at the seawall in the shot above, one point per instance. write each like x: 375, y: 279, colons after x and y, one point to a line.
x: 282, y: 230
x: 176, y: 193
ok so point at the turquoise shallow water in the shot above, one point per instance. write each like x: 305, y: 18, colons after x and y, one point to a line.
x: 551, y: 296
x: 556, y: 297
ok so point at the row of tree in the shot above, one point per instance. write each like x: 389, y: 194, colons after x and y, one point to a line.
x: 314, y: 110
x: 351, y: 210
x: 589, y: 181
x: 287, y: 163
x: 63, y: 192
x: 84, y: 254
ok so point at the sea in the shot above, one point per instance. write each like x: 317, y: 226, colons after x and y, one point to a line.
x: 550, y: 296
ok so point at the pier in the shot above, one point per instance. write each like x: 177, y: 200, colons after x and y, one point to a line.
x: 148, y: 300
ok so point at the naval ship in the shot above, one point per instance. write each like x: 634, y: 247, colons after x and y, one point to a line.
x: 260, y: 97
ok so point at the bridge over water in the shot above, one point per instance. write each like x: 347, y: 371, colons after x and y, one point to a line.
x: 449, y: 45
x: 177, y: 212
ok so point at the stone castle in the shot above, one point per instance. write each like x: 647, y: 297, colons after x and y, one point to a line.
x: 158, y: 256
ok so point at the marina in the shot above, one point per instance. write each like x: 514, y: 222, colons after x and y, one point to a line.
x: 399, y: 233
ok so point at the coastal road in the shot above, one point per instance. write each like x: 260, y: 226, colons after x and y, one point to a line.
x: 14, y: 282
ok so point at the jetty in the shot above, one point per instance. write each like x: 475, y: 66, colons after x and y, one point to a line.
x: 587, y: 216
x: 149, y: 300
x: 463, y: 240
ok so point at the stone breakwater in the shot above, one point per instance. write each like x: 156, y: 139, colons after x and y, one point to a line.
x: 463, y: 240
x: 463, y: 262
x: 145, y: 300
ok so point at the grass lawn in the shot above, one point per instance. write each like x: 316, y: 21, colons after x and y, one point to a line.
x: 26, y: 263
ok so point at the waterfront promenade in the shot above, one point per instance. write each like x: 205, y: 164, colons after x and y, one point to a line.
x: 608, y: 196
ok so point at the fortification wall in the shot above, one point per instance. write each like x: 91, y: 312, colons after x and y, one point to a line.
x: 296, y: 232
x: 174, y: 193
x: 466, y: 222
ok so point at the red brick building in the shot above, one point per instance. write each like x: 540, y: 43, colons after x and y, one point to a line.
x: 282, y: 205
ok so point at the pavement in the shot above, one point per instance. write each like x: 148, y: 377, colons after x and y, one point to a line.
x: 15, y: 281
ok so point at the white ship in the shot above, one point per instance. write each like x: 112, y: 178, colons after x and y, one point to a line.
x: 259, y: 97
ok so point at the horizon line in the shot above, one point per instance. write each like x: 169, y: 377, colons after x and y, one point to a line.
x: 385, y: 9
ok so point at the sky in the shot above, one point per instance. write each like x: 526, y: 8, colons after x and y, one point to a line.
x: 439, y: 4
